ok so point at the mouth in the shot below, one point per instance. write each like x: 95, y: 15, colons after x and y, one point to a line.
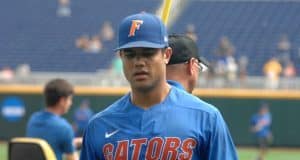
x: 141, y: 75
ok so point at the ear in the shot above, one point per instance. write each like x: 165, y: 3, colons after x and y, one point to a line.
x: 190, y: 68
x: 62, y: 101
x: 167, y: 55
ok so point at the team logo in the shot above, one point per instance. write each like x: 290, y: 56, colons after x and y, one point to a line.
x: 135, y: 25
x: 156, y: 148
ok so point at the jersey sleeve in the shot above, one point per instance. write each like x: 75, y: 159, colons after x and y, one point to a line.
x: 67, y: 140
x: 220, y: 145
x: 88, y: 151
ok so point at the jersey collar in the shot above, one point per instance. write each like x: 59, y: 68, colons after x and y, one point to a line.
x: 176, y: 84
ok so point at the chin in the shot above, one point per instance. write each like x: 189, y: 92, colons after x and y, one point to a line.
x: 143, y: 87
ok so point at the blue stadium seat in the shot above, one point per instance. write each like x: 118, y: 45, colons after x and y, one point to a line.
x: 32, y: 33
x: 253, y: 27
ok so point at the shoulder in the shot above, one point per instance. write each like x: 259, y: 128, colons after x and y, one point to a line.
x: 61, y: 124
x: 267, y: 116
x: 37, y: 116
x: 117, y: 106
x: 185, y: 100
x: 107, y: 118
x: 63, y: 128
x: 33, y: 118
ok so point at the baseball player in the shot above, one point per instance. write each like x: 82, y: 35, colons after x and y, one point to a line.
x: 50, y: 126
x: 185, y: 64
x: 261, y: 127
x: 155, y: 120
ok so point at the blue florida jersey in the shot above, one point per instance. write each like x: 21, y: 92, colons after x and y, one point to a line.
x: 182, y: 127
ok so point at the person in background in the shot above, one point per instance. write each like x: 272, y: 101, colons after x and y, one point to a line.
x: 107, y: 32
x: 243, y: 70
x: 284, y: 49
x: 261, y: 127
x: 289, y: 74
x: 191, y: 32
x: 64, y: 9
x: 185, y: 64
x: 95, y: 45
x: 48, y: 124
x: 272, y: 70
x: 81, y: 117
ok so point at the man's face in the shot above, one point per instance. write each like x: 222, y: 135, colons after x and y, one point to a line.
x: 144, y: 68
x: 65, y: 103
x: 264, y: 110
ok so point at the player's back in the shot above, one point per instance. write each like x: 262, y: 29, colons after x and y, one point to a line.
x: 181, y: 127
x: 52, y: 128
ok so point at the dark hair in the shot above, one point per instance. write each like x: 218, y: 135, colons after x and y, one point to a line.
x: 56, y: 89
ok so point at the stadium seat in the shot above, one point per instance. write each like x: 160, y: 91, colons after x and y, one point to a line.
x: 24, y: 148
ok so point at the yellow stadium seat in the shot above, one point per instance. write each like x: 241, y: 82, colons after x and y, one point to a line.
x: 24, y: 148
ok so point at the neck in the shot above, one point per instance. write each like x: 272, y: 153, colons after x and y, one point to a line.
x: 176, y: 73
x: 54, y: 110
x: 147, y: 99
x: 183, y: 82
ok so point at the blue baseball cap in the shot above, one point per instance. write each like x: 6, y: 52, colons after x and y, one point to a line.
x: 142, y: 30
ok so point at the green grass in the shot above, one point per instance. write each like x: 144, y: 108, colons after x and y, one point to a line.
x: 244, y: 153
x: 3, y: 151
x: 273, y: 154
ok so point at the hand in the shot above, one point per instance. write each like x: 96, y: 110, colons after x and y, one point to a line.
x: 77, y: 142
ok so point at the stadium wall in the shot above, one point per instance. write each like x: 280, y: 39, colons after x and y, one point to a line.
x: 237, y: 106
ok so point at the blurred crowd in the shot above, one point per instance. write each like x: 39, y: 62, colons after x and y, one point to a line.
x: 225, y: 70
x: 94, y: 43
x: 228, y: 68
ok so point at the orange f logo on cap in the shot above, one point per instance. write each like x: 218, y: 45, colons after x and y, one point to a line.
x: 135, y: 25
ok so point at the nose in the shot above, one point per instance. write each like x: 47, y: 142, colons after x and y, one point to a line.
x: 139, y: 60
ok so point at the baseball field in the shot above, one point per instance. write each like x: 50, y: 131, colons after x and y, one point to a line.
x: 244, y: 153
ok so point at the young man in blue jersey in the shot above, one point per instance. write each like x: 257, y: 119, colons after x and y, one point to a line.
x: 48, y: 123
x: 81, y: 117
x: 155, y: 120
x: 261, y: 127
x: 185, y: 64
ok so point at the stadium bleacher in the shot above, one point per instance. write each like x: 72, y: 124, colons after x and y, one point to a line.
x: 254, y: 27
x: 34, y: 34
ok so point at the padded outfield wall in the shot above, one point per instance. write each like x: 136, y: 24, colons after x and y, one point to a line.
x: 237, y: 106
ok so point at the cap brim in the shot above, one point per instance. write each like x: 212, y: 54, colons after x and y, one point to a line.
x: 140, y: 44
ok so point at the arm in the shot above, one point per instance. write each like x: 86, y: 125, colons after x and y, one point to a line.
x: 220, y: 144
x: 68, y: 147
